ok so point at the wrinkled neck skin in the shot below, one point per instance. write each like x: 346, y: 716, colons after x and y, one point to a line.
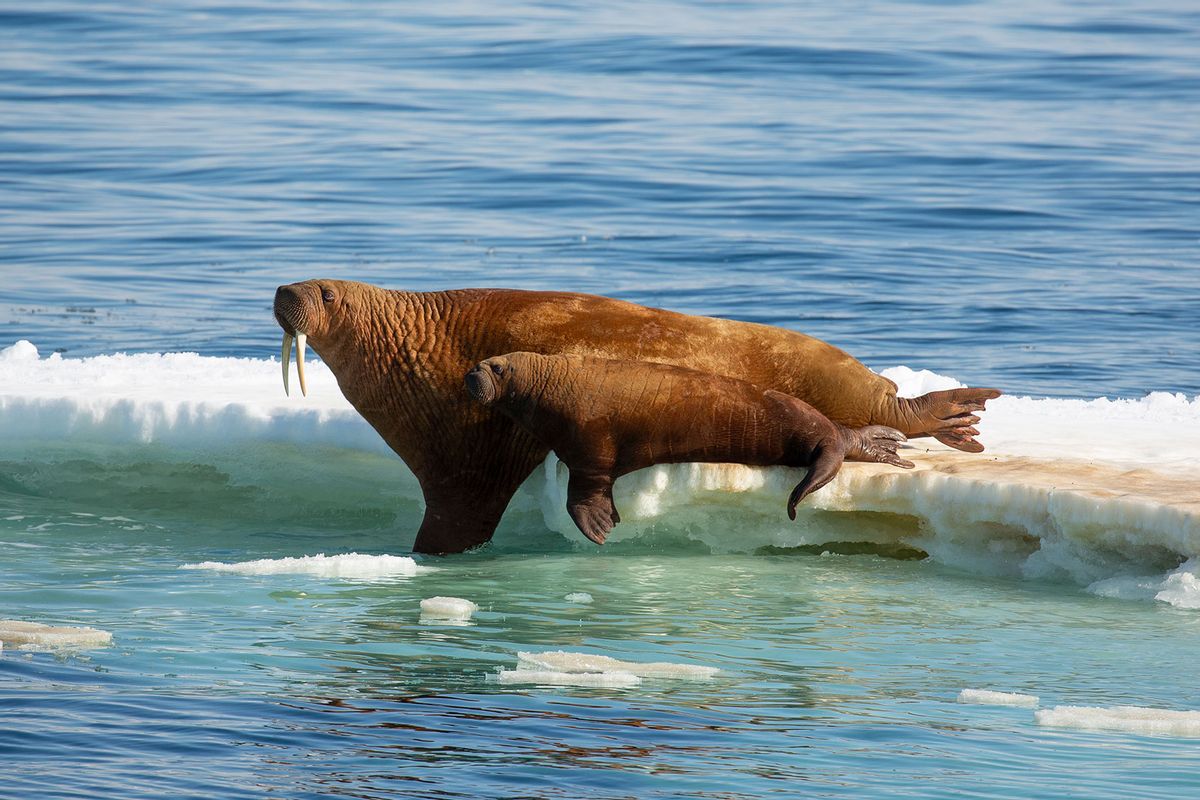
x: 373, y: 350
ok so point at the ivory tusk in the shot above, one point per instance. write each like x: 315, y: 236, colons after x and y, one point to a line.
x: 287, y: 357
x: 300, y: 342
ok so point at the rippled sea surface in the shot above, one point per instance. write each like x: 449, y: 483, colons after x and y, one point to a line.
x: 1000, y: 191
x: 1004, y: 192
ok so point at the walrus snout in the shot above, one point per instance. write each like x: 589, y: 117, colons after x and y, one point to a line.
x: 292, y: 312
x: 481, y: 384
x: 291, y: 308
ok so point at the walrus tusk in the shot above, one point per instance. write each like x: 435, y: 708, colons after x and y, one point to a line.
x: 286, y: 358
x: 301, y: 338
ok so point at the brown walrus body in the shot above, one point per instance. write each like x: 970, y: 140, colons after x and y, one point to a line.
x: 399, y: 358
x: 605, y: 418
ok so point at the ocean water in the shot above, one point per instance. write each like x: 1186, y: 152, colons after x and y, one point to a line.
x: 990, y: 193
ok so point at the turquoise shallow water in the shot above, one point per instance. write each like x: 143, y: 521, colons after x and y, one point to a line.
x: 839, y: 677
x: 1001, y: 192
x: 839, y: 673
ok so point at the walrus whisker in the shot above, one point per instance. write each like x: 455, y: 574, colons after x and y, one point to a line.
x: 286, y: 359
x: 301, y: 339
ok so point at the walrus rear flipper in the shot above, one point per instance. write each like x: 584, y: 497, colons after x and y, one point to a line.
x: 590, y: 504
x: 947, y: 416
x: 820, y: 472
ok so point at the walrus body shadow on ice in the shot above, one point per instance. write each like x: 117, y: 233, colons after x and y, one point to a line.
x: 605, y: 418
x: 399, y: 358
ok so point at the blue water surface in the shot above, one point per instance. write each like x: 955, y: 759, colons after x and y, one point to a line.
x: 1000, y: 191
x: 1004, y: 192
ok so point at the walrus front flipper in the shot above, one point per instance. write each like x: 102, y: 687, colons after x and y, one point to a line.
x: 590, y: 504
x: 947, y: 416
x: 826, y: 464
x: 461, y: 519
x: 467, y: 491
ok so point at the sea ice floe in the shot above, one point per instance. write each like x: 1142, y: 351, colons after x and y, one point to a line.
x: 1049, y: 500
x: 349, y: 565
x: 37, y: 636
x: 586, y: 663
x: 987, y: 697
x: 447, y: 608
x: 1130, y: 719
x: 603, y: 680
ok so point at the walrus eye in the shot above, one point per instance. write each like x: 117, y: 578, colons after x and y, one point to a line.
x: 327, y: 295
x: 496, y: 368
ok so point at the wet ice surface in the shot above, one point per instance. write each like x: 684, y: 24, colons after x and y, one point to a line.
x: 26, y: 635
x: 543, y: 677
x: 452, y: 608
x: 989, y: 697
x: 348, y: 565
x: 589, y: 662
x: 1128, y: 719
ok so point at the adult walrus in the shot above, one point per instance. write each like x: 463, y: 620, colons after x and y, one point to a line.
x: 605, y: 418
x: 399, y: 358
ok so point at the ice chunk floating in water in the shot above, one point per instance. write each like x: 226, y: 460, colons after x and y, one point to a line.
x: 600, y: 680
x: 451, y: 608
x: 1180, y: 588
x: 38, y: 636
x: 1088, y: 491
x: 350, y: 565
x: 562, y: 661
x: 985, y: 697
x: 1130, y: 719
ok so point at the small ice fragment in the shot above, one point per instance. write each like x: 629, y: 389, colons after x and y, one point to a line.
x: 560, y: 660
x: 1130, y: 719
x: 36, y: 636
x: 578, y: 597
x: 447, y: 608
x: 985, y: 697
x: 605, y: 680
x: 348, y: 565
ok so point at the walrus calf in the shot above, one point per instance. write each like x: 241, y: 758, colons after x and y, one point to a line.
x: 605, y: 418
x: 399, y: 358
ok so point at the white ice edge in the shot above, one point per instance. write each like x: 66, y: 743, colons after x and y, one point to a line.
x: 602, y: 680
x: 988, y: 697
x: 356, y: 566
x: 1025, y: 508
x: 1127, y: 719
x: 454, y: 608
x: 563, y: 661
x: 25, y: 635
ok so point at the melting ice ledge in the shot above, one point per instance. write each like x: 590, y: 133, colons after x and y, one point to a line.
x: 1102, y: 492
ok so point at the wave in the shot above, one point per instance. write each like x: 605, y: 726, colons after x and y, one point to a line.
x: 1102, y: 493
